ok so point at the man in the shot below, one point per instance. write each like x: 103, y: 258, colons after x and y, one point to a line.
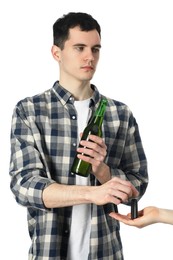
x: 68, y: 215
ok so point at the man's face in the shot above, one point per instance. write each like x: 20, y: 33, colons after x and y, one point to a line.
x: 80, y: 55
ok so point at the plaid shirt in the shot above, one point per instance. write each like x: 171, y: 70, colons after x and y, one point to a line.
x: 43, y: 145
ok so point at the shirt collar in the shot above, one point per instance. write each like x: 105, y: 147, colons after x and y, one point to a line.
x: 65, y: 96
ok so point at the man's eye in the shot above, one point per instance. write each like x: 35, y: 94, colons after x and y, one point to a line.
x: 95, y: 50
x: 79, y: 48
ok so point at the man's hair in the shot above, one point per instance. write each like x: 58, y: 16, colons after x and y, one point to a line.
x: 61, y: 27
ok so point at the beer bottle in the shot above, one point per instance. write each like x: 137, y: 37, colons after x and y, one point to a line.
x: 94, y: 127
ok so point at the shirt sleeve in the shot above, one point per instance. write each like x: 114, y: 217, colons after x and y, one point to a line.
x: 133, y: 162
x: 29, y: 175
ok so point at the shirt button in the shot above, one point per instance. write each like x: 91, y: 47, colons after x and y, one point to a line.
x: 74, y: 144
x: 73, y: 117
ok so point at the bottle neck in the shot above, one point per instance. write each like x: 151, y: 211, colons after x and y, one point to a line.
x: 98, y: 119
x: 101, y: 108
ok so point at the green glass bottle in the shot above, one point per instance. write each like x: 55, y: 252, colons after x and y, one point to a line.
x: 94, y: 127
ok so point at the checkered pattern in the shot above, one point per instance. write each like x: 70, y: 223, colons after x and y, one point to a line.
x: 43, y: 145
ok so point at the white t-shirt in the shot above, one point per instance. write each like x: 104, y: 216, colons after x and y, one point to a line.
x: 78, y: 248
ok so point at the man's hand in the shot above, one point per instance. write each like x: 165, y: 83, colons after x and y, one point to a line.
x: 114, y: 191
x: 96, y: 150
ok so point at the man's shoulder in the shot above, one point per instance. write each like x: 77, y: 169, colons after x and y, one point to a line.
x: 35, y: 98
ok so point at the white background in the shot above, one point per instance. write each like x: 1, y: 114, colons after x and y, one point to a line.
x: 136, y: 67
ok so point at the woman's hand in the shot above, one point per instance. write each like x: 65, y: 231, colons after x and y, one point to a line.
x: 147, y: 216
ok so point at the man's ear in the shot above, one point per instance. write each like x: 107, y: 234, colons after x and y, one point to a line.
x: 56, y: 53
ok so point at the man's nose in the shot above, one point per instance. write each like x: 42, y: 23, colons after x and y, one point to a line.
x: 89, y: 55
